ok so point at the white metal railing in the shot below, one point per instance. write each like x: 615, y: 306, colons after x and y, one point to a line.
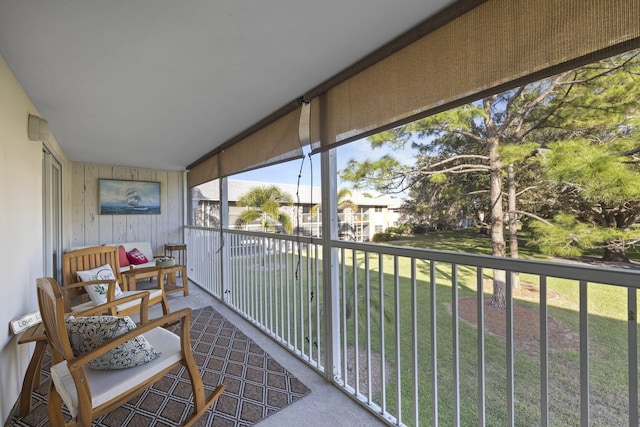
x: 205, y: 259
x: 272, y: 280
x: 408, y: 349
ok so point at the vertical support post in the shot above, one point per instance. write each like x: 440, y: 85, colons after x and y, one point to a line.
x: 482, y: 392
x: 584, y: 355
x: 381, y: 319
x: 632, y: 335
x: 398, y: 332
x: 433, y: 306
x: 187, y: 207
x: 331, y: 294
x: 223, y: 250
x: 544, y: 354
x: 455, y: 333
x: 414, y: 343
x: 510, y: 361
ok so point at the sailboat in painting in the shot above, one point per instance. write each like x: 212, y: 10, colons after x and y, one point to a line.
x: 133, y: 200
x: 119, y: 197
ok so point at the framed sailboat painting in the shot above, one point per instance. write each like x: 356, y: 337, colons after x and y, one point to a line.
x: 119, y: 197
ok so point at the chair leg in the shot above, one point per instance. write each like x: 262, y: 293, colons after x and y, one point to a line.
x: 197, y: 413
x: 200, y: 402
x: 196, y: 384
x: 54, y: 407
x: 31, y: 378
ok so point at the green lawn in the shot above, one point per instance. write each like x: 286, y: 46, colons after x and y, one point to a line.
x: 608, y: 344
x: 467, y: 240
x: 607, y: 329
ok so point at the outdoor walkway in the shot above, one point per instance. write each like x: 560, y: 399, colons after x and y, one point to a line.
x: 326, y: 405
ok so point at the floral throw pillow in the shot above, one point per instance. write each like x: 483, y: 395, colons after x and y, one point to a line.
x: 136, y: 257
x: 87, y: 333
x: 98, y: 293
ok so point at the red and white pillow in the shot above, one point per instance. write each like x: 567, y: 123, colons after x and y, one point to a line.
x: 136, y: 257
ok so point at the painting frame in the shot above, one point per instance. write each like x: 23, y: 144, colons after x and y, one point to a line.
x: 127, y: 197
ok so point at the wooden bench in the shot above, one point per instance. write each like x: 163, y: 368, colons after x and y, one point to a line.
x: 96, y: 256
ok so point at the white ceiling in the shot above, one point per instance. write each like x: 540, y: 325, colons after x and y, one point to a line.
x: 160, y: 83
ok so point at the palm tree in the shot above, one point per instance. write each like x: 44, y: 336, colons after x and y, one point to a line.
x: 344, y: 202
x: 264, y: 203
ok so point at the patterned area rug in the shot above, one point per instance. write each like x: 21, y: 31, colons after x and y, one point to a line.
x: 256, y: 385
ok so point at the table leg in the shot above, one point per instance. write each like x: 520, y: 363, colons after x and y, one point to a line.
x: 185, y: 281
x: 171, y: 277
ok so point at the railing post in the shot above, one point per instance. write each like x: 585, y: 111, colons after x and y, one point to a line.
x: 330, y: 283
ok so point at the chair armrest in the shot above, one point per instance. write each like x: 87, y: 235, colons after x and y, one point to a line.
x: 111, y: 282
x: 183, y: 315
x: 143, y: 296
x: 111, y: 289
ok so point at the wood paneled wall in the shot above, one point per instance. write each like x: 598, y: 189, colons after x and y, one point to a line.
x: 91, y: 228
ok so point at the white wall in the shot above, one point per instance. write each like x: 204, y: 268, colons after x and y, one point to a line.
x: 21, y: 257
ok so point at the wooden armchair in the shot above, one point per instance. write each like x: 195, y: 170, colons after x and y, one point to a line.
x: 91, y: 393
x: 76, y: 297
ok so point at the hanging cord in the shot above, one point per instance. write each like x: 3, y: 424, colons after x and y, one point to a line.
x: 304, y: 132
x: 298, y: 215
x: 311, y: 202
x: 311, y: 179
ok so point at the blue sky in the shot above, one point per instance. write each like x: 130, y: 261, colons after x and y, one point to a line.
x: 287, y: 173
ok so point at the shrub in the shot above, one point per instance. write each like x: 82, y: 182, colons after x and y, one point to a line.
x: 394, y: 230
x: 418, y: 228
x: 381, y: 237
x: 401, y: 230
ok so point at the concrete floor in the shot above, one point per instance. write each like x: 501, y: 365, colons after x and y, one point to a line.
x: 326, y: 405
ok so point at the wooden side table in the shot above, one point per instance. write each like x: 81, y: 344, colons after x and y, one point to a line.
x: 130, y: 277
x: 181, y: 248
x: 171, y: 283
x: 32, y: 376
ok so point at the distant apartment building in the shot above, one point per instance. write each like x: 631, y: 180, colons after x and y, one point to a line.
x: 367, y: 215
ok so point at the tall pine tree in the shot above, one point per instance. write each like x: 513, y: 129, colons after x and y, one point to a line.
x: 508, y: 132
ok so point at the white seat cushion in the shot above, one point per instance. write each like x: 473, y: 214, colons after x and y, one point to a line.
x: 153, y: 293
x: 105, y: 385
